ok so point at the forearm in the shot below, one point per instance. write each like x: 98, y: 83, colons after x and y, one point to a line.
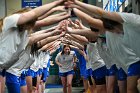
x: 57, y: 63
x: 80, y: 38
x: 54, y: 47
x: 46, y: 46
x: 70, y: 36
x: 51, y: 19
x: 88, y: 19
x: 83, y: 32
x: 77, y: 44
x: 43, y: 9
x: 91, y: 8
x: 38, y: 37
x: 49, y: 39
x: 44, y: 31
x: 46, y: 14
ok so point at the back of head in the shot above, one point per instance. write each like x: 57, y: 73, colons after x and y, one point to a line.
x: 109, y: 24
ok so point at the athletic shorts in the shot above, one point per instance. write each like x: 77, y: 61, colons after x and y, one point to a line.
x: 134, y: 69
x: 65, y: 74
x: 99, y: 75
x: 40, y: 71
x: 23, y: 79
x: 12, y: 83
x: 30, y: 72
x: 88, y: 73
x: 112, y: 71
x: 45, y: 74
x: 121, y: 74
x: 83, y: 71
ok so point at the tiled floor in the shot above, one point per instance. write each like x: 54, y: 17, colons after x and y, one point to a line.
x: 59, y: 90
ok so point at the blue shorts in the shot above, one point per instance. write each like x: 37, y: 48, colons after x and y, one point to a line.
x: 45, y: 74
x: 65, y: 74
x: 134, y: 69
x: 99, y: 73
x: 83, y: 71
x: 121, y: 75
x: 112, y: 71
x: 88, y: 73
x: 12, y: 83
x: 40, y: 71
x: 30, y: 72
x: 23, y: 79
x: 2, y: 73
x: 82, y: 66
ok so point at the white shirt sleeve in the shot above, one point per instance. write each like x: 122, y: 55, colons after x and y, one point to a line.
x: 10, y: 21
x: 130, y: 18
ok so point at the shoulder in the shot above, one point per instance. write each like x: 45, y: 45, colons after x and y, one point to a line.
x: 13, y: 16
x: 59, y: 54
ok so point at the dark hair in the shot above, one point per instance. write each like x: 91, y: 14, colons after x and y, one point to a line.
x: 109, y: 24
x: 34, y: 49
x: 64, y: 48
x: 94, y: 29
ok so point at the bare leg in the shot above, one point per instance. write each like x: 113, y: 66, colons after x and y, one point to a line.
x: 29, y: 84
x: 64, y: 83
x: 132, y: 84
x: 2, y: 84
x: 23, y: 89
x: 69, y: 83
x: 122, y: 86
x: 111, y: 83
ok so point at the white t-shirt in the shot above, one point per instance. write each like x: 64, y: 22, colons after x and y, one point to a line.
x: 94, y: 57
x: 124, y: 55
x: 46, y: 60
x: 131, y: 27
x: 18, y: 67
x: 66, y: 61
x: 35, y: 65
x: 12, y: 41
x: 29, y: 63
x: 41, y: 58
x: 105, y: 53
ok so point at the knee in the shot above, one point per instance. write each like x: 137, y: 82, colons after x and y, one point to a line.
x: 69, y: 85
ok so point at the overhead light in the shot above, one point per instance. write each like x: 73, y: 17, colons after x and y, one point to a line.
x: 99, y: 0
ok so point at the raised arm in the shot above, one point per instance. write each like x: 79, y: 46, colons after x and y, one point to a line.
x: 38, y: 37
x: 52, y: 19
x: 55, y: 9
x: 44, y: 31
x: 36, y: 12
x: 49, y: 39
x: 99, y: 11
x: 88, y: 19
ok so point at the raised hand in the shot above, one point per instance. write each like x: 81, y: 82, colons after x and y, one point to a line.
x: 59, y: 8
x: 79, y: 23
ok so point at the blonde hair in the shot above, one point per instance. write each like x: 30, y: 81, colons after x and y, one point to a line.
x: 1, y: 23
x: 17, y: 12
x: 23, y: 10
